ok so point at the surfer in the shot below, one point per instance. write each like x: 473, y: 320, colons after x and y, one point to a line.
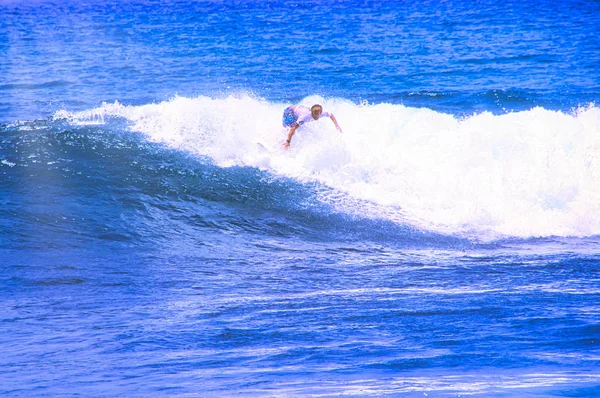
x: 296, y: 115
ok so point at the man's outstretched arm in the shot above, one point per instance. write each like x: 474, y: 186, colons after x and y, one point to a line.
x: 333, y: 119
x: 287, y: 143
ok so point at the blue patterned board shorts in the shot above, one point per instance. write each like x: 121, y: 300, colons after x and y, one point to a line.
x: 288, y: 117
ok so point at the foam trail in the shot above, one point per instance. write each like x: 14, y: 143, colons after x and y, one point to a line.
x: 524, y: 174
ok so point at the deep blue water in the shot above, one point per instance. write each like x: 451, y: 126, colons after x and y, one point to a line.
x: 446, y: 244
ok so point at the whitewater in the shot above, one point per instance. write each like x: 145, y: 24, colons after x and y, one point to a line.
x: 533, y: 173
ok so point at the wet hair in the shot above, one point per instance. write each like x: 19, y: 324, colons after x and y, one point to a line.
x: 315, y: 107
x: 316, y: 111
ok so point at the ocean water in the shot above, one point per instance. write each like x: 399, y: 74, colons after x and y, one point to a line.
x: 157, y: 240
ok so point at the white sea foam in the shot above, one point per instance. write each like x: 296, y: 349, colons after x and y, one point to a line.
x: 530, y: 173
x: 7, y: 163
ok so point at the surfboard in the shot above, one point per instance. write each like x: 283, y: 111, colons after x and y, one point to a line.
x: 262, y: 148
x: 273, y: 149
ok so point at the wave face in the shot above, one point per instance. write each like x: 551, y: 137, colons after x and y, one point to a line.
x: 525, y: 174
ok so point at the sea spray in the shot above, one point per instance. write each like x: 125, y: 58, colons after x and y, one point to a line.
x: 526, y: 174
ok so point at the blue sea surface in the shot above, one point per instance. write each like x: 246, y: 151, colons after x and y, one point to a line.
x: 157, y: 240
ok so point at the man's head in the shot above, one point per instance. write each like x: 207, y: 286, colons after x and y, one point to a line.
x: 316, y: 111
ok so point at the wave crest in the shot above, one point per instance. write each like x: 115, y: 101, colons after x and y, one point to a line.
x: 529, y: 173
